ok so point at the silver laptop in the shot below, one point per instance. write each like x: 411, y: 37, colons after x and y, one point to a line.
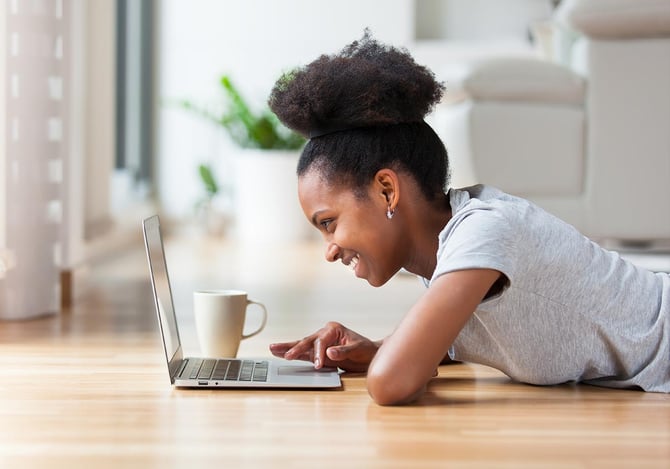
x: 224, y: 372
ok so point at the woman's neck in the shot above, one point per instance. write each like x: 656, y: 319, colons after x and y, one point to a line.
x: 430, y: 218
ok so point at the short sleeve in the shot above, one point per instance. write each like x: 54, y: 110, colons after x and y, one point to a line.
x: 478, y: 237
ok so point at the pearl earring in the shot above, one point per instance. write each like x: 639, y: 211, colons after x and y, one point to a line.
x: 390, y: 212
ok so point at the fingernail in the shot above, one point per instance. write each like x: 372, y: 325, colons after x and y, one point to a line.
x: 317, y: 363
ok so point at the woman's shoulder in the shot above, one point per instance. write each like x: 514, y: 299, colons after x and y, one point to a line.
x: 488, y: 198
x: 482, y: 232
x: 492, y: 229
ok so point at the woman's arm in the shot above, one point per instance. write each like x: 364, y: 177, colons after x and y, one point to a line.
x: 408, y: 358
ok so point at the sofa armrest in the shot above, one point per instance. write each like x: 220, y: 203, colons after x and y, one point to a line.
x: 517, y: 80
x: 616, y: 19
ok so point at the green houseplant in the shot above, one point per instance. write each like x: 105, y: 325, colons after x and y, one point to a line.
x: 263, y: 178
x: 248, y: 129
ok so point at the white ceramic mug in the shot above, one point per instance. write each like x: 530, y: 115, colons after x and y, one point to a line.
x: 219, y: 320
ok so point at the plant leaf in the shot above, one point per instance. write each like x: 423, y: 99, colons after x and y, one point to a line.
x: 208, y: 179
x: 246, y: 128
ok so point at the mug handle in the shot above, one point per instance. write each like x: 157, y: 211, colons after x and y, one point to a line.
x: 265, y: 319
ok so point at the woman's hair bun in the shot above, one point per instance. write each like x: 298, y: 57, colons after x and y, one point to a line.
x: 366, y: 84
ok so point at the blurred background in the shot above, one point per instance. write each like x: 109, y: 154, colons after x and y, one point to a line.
x: 256, y: 41
x: 111, y: 110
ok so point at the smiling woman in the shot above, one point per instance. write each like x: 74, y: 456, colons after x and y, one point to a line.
x: 509, y: 285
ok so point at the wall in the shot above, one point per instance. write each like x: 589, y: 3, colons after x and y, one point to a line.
x: 99, y: 128
x: 478, y: 20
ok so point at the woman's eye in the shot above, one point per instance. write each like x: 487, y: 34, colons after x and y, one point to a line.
x: 326, y: 223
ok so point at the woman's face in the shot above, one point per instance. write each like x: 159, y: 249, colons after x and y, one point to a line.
x: 356, y: 230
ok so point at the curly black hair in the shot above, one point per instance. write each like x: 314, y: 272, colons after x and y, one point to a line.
x: 363, y: 110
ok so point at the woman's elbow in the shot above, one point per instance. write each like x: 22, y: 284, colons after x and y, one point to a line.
x: 388, y: 389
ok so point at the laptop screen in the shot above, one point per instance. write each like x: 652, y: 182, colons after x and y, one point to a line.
x: 161, y: 286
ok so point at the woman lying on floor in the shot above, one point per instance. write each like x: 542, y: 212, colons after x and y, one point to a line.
x: 508, y: 285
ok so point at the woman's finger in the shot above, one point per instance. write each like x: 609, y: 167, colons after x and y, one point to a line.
x: 281, y: 348
x: 326, y: 337
x: 301, y: 349
x: 339, y: 352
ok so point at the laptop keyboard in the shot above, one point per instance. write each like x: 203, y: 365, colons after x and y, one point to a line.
x: 225, y: 369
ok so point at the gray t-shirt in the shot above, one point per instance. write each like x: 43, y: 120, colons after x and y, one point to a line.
x: 572, y: 311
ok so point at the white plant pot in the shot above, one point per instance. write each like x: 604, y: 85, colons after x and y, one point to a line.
x: 267, y: 209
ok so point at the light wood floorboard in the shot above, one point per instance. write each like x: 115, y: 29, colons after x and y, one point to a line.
x: 88, y: 387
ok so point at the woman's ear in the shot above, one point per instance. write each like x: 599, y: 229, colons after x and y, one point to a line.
x: 387, y: 186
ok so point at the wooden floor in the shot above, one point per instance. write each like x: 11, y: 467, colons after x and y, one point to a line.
x: 88, y: 388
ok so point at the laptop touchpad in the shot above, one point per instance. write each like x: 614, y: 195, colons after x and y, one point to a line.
x: 302, y: 370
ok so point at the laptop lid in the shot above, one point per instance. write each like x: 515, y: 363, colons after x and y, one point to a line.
x: 162, y: 293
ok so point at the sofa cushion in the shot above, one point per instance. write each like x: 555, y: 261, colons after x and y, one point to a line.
x: 616, y: 19
x: 516, y: 79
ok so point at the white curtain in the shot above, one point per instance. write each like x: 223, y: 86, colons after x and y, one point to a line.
x: 33, y: 150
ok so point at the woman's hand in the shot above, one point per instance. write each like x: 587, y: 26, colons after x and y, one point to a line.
x: 331, y: 346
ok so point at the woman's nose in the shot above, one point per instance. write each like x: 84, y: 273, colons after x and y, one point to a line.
x: 332, y: 252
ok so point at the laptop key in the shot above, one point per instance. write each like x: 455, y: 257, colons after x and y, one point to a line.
x: 221, y: 369
x: 233, y: 370
x: 206, y: 369
x: 261, y: 371
x: 193, y: 368
x: 247, y: 370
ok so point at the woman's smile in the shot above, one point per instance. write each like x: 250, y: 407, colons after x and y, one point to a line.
x: 352, y: 262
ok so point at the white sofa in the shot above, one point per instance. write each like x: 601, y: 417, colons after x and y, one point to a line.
x: 589, y: 139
